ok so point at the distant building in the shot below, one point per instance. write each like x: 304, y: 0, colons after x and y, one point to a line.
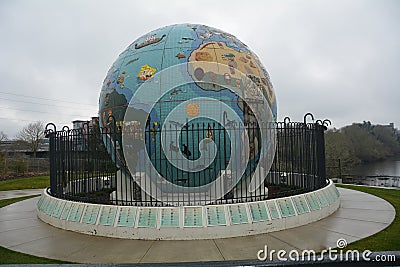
x: 390, y: 126
x: 394, y: 130
x: 15, y: 148
x: 81, y: 124
x: 78, y: 124
x: 85, y: 127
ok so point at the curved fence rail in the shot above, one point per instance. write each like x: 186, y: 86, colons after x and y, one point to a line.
x: 87, y: 164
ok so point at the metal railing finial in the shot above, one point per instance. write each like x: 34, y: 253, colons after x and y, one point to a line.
x: 49, y: 130
x: 306, y: 115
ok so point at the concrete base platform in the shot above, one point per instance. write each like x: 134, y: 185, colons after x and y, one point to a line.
x: 189, y: 222
x: 360, y: 215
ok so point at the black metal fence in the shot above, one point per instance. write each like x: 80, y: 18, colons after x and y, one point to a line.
x: 88, y: 164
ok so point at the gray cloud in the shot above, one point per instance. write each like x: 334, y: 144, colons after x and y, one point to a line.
x: 337, y: 59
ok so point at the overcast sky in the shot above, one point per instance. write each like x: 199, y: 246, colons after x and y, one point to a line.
x: 337, y: 59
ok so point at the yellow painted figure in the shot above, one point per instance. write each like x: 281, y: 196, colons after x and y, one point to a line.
x: 146, y: 72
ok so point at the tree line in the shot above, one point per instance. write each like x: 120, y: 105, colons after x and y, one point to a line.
x: 29, y: 138
x: 361, y: 143
x: 352, y: 145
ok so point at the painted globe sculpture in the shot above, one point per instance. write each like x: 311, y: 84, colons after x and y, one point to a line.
x: 183, y: 98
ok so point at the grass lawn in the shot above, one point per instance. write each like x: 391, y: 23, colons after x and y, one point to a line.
x: 25, y: 183
x: 12, y: 257
x: 389, y: 238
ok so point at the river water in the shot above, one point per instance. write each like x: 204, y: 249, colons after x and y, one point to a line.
x: 387, y: 167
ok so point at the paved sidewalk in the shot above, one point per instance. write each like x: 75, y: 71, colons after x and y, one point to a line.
x: 360, y: 215
x: 20, y: 193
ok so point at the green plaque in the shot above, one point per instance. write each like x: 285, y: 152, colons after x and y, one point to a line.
x: 333, y: 193
x: 336, y: 191
x: 170, y: 217
x: 286, y: 207
x: 90, y: 215
x: 107, y: 216
x: 66, y: 210
x: 44, y: 204
x: 300, y: 204
x: 193, y: 216
x: 127, y: 216
x: 289, y: 204
x: 258, y: 212
x: 76, y: 212
x: 273, y: 210
x: 148, y: 217
x: 50, y: 207
x: 283, y: 207
x: 322, y: 199
x: 216, y: 215
x: 238, y: 214
x: 58, y: 209
x: 39, y: 204
x: 313, y: 201
x: 328, y: 196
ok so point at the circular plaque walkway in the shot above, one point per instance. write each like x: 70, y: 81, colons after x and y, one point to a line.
x: 360, y: 215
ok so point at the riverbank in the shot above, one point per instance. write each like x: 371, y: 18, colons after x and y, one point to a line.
x: 361, y: 143
x: 389, y: 166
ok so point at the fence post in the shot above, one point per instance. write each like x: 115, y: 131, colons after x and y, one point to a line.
x: 53, y: 168
x: 320, y: 130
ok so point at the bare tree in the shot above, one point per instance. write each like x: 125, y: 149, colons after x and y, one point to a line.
x: 3, y: 156
x: 3, y: 136
x: 32, y: 136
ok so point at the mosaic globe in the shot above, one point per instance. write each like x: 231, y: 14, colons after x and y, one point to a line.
x: 195, y: 81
